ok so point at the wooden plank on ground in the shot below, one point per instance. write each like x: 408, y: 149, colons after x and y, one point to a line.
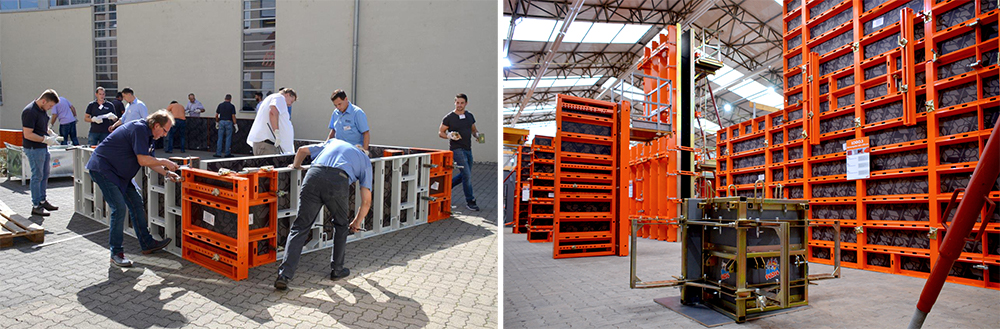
x: 9, y: 214
x: 11, y: 226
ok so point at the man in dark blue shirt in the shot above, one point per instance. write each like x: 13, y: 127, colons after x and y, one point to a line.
x: 36, y: 141
x: 101, y: 115
x: 335, y: 166
x: 225, y: 122
x: 112, y: 166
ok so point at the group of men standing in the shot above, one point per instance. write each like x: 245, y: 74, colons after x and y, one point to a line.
x: 126, y: 142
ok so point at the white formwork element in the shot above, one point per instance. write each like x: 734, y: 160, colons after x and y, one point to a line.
x: 411, y: 171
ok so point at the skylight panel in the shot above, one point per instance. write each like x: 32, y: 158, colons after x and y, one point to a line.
x: 603, y: 33
x: 631, y: 34
x: 576, y: 32
x: 748, y: 89
x: 536, y: 29
x: 551, y: 82
x: 725, y: 75
x: 769, y: 98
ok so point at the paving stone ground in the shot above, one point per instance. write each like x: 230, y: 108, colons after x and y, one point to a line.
x: 593, y: 292
x: 441, y: 274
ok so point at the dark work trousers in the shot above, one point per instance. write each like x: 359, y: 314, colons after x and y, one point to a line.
x: 322, y: 186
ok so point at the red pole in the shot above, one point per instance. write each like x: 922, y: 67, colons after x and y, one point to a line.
x: 965, y: 218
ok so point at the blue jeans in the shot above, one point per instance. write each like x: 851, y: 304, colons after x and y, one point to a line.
x: 118, y: 203
x: 39, y: 161
x: 463, y: 158
x: 68, y: 132
x: 96, y: 138
x: 179, y: 128
x: 225, y: 130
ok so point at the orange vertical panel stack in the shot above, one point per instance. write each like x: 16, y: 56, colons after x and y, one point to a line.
x: 230, y: 220
x: 919, y: 79
x: 522, y: 184
x: 654, y: 165
x: 585, y: 221
x: 543, y: 162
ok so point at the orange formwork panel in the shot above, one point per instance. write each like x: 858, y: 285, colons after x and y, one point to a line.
x: 542, y: 190
x: 584, y: 203
x: 230, y: 219
x: 522, y: 202
x: 442, y: 168
x: 11, y: 136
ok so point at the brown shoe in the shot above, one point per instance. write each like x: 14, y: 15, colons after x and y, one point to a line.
x: 39, y: 210
x: 48, y: 206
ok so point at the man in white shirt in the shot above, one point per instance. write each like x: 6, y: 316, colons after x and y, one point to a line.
x: 194, y: 107
x: 272, y: 131
x: 135, y: 109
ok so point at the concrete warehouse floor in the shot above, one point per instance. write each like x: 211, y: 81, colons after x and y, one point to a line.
x: 442, y: 274
x: 593, y: 292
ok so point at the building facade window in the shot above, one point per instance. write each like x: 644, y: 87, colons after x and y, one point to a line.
x: 105, y: 45
x: 258, y: 50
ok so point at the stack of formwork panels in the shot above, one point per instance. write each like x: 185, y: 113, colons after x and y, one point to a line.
x: 543, y: 161
x: 586, y: 162
x: 522, y: 184
x: 652, y: 197
x: 919, y: 79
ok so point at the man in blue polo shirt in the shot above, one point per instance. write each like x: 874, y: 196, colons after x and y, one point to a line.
x: 348, y: 122
x: 335, y: 166
x: 115, y: 161
x: 36, y: 141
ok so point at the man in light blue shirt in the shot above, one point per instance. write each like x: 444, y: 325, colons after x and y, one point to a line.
x: 65, y: 112
x: 348, y: 122
x: 194, y: 108
x: 335, y: 166
x: 134, y: 108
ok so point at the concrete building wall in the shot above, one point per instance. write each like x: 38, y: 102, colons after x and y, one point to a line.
x: 313, y: 57
x: 168, y: 49
x: 42, y: 50
x: 415, y: 56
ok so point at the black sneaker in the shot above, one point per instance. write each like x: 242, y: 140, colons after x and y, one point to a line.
x: 472, y: 205
x: 48, y: 206
x: 335, y: 275
x: 281, y: 283
x: 39, y: 210
x: 157, y: 246
x: 230, y: 156
x: 120, y: 260
x: 217, y: 155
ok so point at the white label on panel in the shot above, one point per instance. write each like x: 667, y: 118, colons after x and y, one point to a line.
x: 629, y: 189
x: 251, y: 219
x: 877, y: 22
x: 525, y: 193
x: 209, y: 218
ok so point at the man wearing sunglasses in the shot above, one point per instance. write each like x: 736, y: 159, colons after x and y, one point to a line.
x: 115, y: 162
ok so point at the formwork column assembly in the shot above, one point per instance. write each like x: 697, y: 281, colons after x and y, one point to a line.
x: 919, y: 79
